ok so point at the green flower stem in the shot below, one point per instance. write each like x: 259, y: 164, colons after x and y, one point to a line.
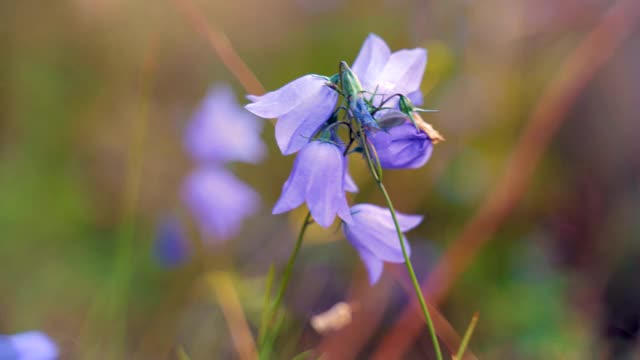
x: 283, y: 286
x: 375, y: 171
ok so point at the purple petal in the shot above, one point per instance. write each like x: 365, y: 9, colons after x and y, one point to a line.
x: 171, y: 246
x: 374, y: 213
x: 219, y: 201
x: 402, y: 74
x: 279, y: 102
x: 402, y: 147
x: 371, y: 61
x: 373, y: 265
x: 317, y: 177
x: 349, y: 184
x: 373, y: 228
x: 31, y: 345
x: 416, y: 97
x: 293, y: 192
x: 325, y: 191
x: 222, y: 131
x: 297, y: 127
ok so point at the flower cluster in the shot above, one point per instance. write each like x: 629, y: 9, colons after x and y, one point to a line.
x: 219, y: 133
x: 375, y: 101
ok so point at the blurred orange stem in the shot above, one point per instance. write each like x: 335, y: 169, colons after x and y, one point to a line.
x: 225, y: 292
x: 595, y: 50
x: 222, y: 47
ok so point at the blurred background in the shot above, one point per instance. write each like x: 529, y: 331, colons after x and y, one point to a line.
x: 95, y: 96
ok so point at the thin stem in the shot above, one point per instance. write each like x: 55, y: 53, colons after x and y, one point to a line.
x: 412, y: 274
x: 377, y: 174
x: 285, y: 281
x: 467, y: 337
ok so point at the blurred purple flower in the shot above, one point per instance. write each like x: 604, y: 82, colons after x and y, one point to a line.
x: 301, y: 106
x: 374, y: 236
x: 30, y: 345
x: 401, y: 147
x: 222, y: 131
x: 219, y: 201
x: 386, y: 73
x: 318, y: 177
x: 171, y: 247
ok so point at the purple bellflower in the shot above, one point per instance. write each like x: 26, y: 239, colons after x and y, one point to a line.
x: 30, y: 345
x: 385, y: 74
x: 221, y: 131
x: 374, y: 236
x: 219, y: 201
x: 301, y: 106
x: 171, y: 247
x: 401, y: 147
x: 318, y: 177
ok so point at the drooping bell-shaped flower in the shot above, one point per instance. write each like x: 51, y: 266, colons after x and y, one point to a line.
x: 219, y: 201
x: 374, y: 236
x: 384, y: 73
x: 301, y: 107
x: 30, y: 345
x: 318, y: 178
x: 221, y: 131
x: 171, y: 246
x: 401, y: 146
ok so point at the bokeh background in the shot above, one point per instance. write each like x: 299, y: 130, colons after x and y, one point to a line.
x: 95, y: 95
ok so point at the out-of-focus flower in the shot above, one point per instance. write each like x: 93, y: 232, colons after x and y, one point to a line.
x: 221, y: 131
x: 374, y: 236
x: 401, y: 147
x: 318, y: 177
x: 30, y: 345
x: 171, y: 247
x: 219, y: 201
x: 385, y: 73
x: 301, y: 106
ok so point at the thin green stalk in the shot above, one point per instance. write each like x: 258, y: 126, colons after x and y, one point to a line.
x: 412, y: 274
x: 283, y: 284
x: 416, y: 285
x: 467, y: 337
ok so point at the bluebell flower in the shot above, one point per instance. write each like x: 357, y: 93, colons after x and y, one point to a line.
x: 222, y: 131
x: 374, y: 236
x: 171, y: 246
x: 318, y: 177
x: 219, y: 201
x: 301, y: 107
x: 401, y: 147
x: 30, y: 345
x: 385, y: 73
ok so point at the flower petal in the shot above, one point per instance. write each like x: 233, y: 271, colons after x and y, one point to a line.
x: 373, y: 264
x: 373, y: 228
x: 171, y: 247
x: 295, y: 128
x: 222, y: 131
x: 349, y: 184
x: 30, y: 345
x: 294, y: 189
x: 325, y: 192
x: 279, y: 102
x: 402, y: 147
x: 402, y: 74
x: 416, y: 97
x: 219, y: 201
x: 371, y: 61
